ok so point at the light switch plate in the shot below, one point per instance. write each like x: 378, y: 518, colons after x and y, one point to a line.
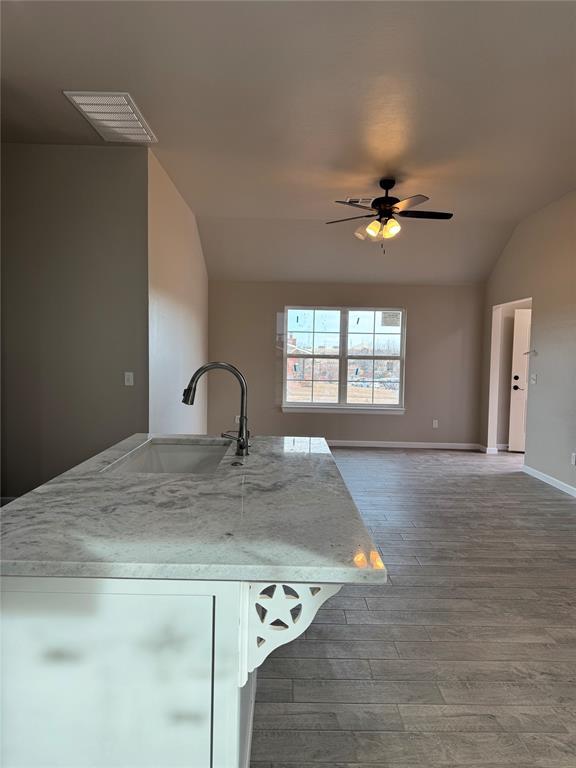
x: 128, y: 378
x: 533, y: 378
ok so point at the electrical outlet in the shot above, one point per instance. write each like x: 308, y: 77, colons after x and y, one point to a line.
x: 128, y: 379
x: 236, y: 419
x: 434, y: 423
x: 573, y: 459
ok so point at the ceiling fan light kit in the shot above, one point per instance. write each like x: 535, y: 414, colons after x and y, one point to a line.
x: 383, y: 211
x: 377, y: 230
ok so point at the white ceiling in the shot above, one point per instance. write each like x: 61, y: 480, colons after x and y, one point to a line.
x: 268, y: 111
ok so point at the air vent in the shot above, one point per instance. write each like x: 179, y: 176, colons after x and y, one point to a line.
x: 114, y: 115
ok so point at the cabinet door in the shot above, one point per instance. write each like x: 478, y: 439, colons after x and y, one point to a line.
x: 106, y: 680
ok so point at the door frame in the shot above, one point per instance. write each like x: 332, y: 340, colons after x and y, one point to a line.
x: 497, y: 363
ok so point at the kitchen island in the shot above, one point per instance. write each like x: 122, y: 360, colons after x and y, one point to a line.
x: 143, y: 588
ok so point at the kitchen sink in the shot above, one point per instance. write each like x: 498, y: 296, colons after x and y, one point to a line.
x: 194, y: 456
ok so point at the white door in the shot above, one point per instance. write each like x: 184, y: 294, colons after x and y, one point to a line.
x: 519, y: 383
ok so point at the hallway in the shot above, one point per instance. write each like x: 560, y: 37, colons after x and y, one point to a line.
x: 467, y: 657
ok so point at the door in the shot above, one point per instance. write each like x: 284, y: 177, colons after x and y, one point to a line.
x: 519, y: 383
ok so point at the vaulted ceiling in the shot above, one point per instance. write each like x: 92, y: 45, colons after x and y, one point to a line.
x: 266, y: 112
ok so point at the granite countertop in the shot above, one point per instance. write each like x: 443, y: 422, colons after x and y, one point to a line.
x: 285, y: 515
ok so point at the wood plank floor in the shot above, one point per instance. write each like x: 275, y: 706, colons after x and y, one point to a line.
x: 467, y: 657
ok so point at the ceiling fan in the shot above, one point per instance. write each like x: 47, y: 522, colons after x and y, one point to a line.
x: 384, y: 211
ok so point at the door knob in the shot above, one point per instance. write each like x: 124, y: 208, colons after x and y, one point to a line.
x: 517, y: 387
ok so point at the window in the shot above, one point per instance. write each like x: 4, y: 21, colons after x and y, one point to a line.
x: 344, y: 358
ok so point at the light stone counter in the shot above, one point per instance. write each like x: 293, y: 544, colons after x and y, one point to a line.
x: 285, y: 515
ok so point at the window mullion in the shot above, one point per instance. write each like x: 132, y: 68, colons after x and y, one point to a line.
x: 343, y: 367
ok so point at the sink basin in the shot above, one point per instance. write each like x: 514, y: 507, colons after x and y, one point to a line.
x: 161, y: 455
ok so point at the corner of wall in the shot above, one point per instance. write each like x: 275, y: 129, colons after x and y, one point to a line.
x: 178, y: 306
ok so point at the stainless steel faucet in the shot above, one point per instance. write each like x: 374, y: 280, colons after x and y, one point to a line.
x: 190, y: 392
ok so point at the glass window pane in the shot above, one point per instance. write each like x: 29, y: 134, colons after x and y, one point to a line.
x: 325, y: 392
x: 360, y: 321
x: 360, y: 374
x: 387, y: 369
x: 300, y: 343
x: 298, y: 368
x: 386, y: 392
x: 359, y: 392
x: 360, y: 344
x: 387, y: 344
x: 327, y: 320
x: 360, y: 370
x: 300, y: 319
x: 388, y: 321
x: 327, y: 370
x: 299, y: 391
x: 387, y: 382
x: 327, y: 343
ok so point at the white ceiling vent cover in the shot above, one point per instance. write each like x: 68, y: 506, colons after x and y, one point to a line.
x: 114, y: 115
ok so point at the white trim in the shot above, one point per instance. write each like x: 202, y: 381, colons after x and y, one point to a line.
x: 525, y: 300
x: 559, y: 484
x: 491, y: 451
x: 394, y: 444
x: 315, y: 408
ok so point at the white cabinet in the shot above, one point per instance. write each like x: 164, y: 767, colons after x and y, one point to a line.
x: 139, y: 673
x: 106, y: 679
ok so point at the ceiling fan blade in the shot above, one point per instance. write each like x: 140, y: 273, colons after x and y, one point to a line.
x: 425, y: 215
x: 352, y: 218
x: 410, y: 202
x: 354, y: 205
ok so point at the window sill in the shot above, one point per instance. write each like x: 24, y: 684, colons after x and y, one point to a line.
x: 348, y: 409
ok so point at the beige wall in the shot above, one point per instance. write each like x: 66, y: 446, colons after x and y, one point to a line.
x: 74, y: 305
x: 444, y: 337
x: 178, y: 309
x: 540, y: 261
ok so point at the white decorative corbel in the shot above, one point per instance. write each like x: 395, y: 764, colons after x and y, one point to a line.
x: 275, y: 614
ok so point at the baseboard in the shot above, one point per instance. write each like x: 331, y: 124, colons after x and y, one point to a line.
x: 491, y: 451
x: 561, y: 486
x: 394, y: 444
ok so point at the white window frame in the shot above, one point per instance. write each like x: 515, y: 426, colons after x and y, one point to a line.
x: 342, y: 406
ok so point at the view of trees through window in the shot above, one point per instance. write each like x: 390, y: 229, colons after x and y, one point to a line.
x: 344, y: 356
